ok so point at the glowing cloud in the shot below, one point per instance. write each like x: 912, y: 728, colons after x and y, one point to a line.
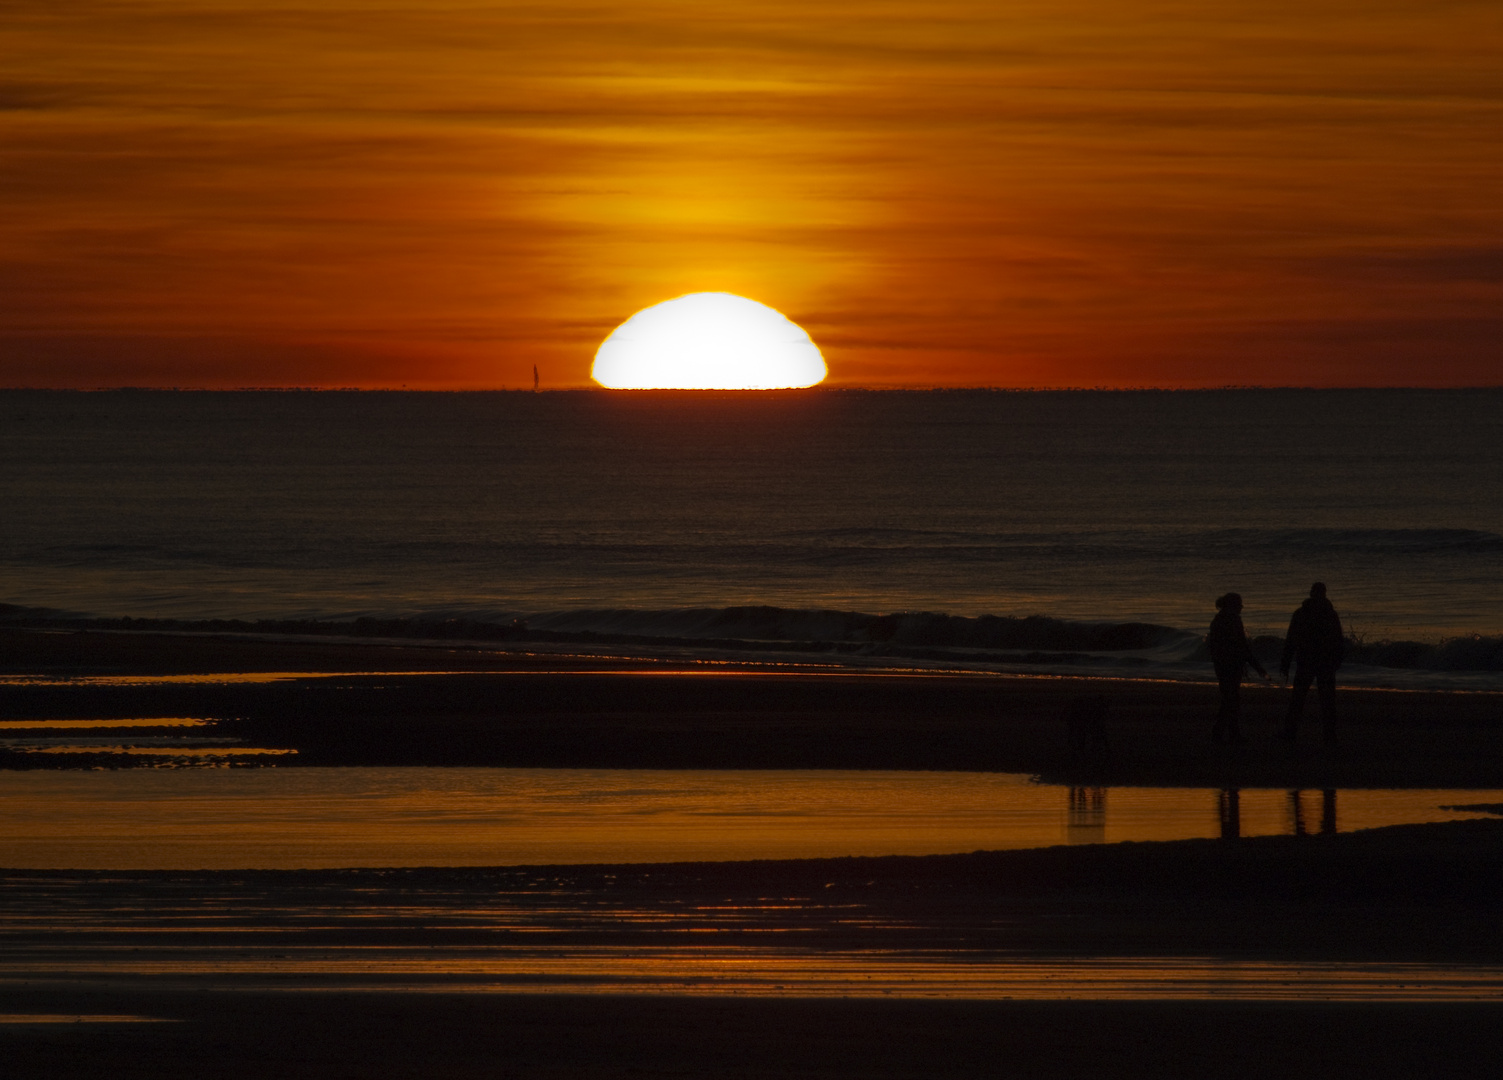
x: 708, y: 341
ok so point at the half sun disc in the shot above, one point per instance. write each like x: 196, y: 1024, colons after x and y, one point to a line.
x: 708, y: 341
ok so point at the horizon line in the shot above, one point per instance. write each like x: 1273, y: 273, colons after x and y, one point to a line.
x: 843, y: 388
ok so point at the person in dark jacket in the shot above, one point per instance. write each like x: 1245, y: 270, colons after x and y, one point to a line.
x: 1316, y: 644
x: 1230, y: 654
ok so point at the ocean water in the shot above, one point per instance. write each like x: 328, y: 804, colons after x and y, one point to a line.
x: 782, y: 515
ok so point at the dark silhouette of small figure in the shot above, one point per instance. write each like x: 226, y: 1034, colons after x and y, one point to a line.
x: 1230, y: 653
x: 1316, y: 644
x: 1087, y: 822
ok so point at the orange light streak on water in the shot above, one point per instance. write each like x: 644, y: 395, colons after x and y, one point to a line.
x: 765, y: 972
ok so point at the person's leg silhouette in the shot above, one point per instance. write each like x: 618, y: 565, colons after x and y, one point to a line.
x: 1325, y: 689
x: 1303, y: 677
x: 1228, y: 718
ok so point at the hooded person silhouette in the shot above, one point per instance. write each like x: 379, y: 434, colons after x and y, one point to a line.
x: 1316, y: 644
x: 1230, y: 654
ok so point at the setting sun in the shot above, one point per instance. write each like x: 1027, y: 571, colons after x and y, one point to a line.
x: 708, y: 341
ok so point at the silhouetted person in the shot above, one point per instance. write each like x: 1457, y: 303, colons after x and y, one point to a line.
x: 1231, y: 652
x: 1316, y: 645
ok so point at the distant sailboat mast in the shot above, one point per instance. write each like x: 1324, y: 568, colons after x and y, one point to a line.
x: 534, y: 378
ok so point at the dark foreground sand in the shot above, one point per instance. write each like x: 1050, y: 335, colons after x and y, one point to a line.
x: 435, y: 973
x: 457, y: 1037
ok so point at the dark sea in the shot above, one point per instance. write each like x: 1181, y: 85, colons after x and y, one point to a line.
x: 1084, y: 531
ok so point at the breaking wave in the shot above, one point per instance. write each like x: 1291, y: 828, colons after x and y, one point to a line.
x: 1037, y: 641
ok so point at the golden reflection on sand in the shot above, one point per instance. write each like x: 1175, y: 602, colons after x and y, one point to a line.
x: 374, y: 817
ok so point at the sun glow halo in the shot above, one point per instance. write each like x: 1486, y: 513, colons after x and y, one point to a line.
x: 708, y: 341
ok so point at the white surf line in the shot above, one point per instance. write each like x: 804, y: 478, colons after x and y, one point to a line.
x: 217, y: 678
x: 226, y: 678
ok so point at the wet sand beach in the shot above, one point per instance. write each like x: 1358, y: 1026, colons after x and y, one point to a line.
x: 381, y: 704
x: 1374, y: 953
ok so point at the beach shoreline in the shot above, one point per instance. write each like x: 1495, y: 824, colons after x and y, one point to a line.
x: 771, y: 637
x: 366, y: 703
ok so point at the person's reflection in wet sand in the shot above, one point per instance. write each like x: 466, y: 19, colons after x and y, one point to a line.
x: 1229, y: 809
x: 1302, y: 813
x: 1296, y: 814
x: 1087, y: 820
x: 1301, y: 822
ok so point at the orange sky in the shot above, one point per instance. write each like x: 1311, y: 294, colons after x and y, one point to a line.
x: 1032, y: 193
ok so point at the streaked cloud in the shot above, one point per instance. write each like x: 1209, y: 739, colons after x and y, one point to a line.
x: 326, y: 193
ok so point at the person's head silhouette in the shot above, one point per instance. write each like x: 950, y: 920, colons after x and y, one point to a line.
x: 1230, y: 602
x: 1318, y: 591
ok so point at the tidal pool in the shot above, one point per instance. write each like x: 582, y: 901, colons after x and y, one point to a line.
x: 403, y: 817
